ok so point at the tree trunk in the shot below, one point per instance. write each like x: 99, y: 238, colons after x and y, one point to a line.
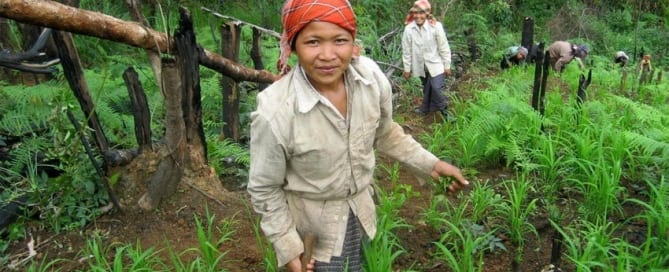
x: 544, y: 81
x: 50, y: 14
x: 659, y: 77
x: 538, y: 76
x: 185, y: 146
x: 230, y: 43
x: 170, y: 170
x: 140, y: 110
x: 74, y: 72
x: 527, y: 38
x: 472, y: 45
x: 256, y: 55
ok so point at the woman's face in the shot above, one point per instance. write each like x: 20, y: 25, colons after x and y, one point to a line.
x: 324, y: 50
x: 419, y: 17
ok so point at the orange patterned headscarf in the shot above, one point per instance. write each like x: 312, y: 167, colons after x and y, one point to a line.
x: 296, y: 14
x: 424, y: 6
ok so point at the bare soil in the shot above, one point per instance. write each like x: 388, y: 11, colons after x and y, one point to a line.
x: 173, y: 225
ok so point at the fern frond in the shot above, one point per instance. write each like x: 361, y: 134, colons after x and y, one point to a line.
x: 649, y: 146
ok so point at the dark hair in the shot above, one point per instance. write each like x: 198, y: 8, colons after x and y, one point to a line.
x: 582, y: 51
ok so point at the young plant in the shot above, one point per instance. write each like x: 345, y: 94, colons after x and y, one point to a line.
x: 459, y: 248
x: 265, y: 246
x: 549, y: 161
x: 654, y: 252
x: 381, y: 252
x: 211, y: 238
x: 442, y: 209
x: 483, y: 199
x: 515, y: 211
x: 121, y: 258
x: 589, y: 244
x: 44, y: 265
x: 601, y: 190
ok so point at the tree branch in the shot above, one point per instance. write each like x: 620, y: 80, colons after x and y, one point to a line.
x: 85, y: 22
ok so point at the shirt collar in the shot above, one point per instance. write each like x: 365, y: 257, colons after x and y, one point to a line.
x: 413, y: 24
x: 308, y: 97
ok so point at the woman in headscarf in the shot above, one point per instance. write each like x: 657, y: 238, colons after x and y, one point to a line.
x: 426, y: 54
x: 646, y: 69
x: 313, y: 137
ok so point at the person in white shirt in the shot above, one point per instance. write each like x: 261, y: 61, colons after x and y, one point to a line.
x: 426, y: 54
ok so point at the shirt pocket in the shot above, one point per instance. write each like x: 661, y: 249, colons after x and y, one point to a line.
x: 315, y: 155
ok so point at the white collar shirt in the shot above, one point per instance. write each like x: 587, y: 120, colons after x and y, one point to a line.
x: 423, y: 47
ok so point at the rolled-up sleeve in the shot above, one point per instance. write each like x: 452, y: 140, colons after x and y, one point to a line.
x: 266, y: 179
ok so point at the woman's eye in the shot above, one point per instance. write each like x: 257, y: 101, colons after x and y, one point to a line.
x: 341, y: 41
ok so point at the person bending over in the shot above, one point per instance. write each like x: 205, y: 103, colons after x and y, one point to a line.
x: 621, y: 58
x: 562, y: 53
x: 513, y: 55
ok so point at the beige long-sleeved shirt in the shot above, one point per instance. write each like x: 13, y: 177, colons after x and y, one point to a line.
x: 310, y: 164
x: 425, y: 46
x: 562, y: 53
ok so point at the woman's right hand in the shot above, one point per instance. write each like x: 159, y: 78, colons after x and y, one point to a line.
x: 295, y: 265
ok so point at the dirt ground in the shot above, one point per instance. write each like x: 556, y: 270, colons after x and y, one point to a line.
x: 172, y: 224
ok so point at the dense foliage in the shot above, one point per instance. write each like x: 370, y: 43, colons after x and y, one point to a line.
x: 622, y: 136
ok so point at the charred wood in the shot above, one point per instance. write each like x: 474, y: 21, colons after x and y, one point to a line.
x: 119, y: 157
x: 527, y: 37
x: 583, y: 84
x: 537, y: 95
x: 12, y: 209
x: 140, y: 109
x: 28, y: 61
x: 544, y: 81
x: 230, y: 43
x: 184, y: 135
x: 256, y: 56
x: 74, y: 72
x: 154, y: 57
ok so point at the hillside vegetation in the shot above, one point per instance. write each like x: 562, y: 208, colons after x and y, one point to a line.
x: 592, y: 175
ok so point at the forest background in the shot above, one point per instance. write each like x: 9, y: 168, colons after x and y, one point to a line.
x: 62, y: 195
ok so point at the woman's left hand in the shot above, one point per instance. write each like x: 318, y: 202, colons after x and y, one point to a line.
x: 442, y: 168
